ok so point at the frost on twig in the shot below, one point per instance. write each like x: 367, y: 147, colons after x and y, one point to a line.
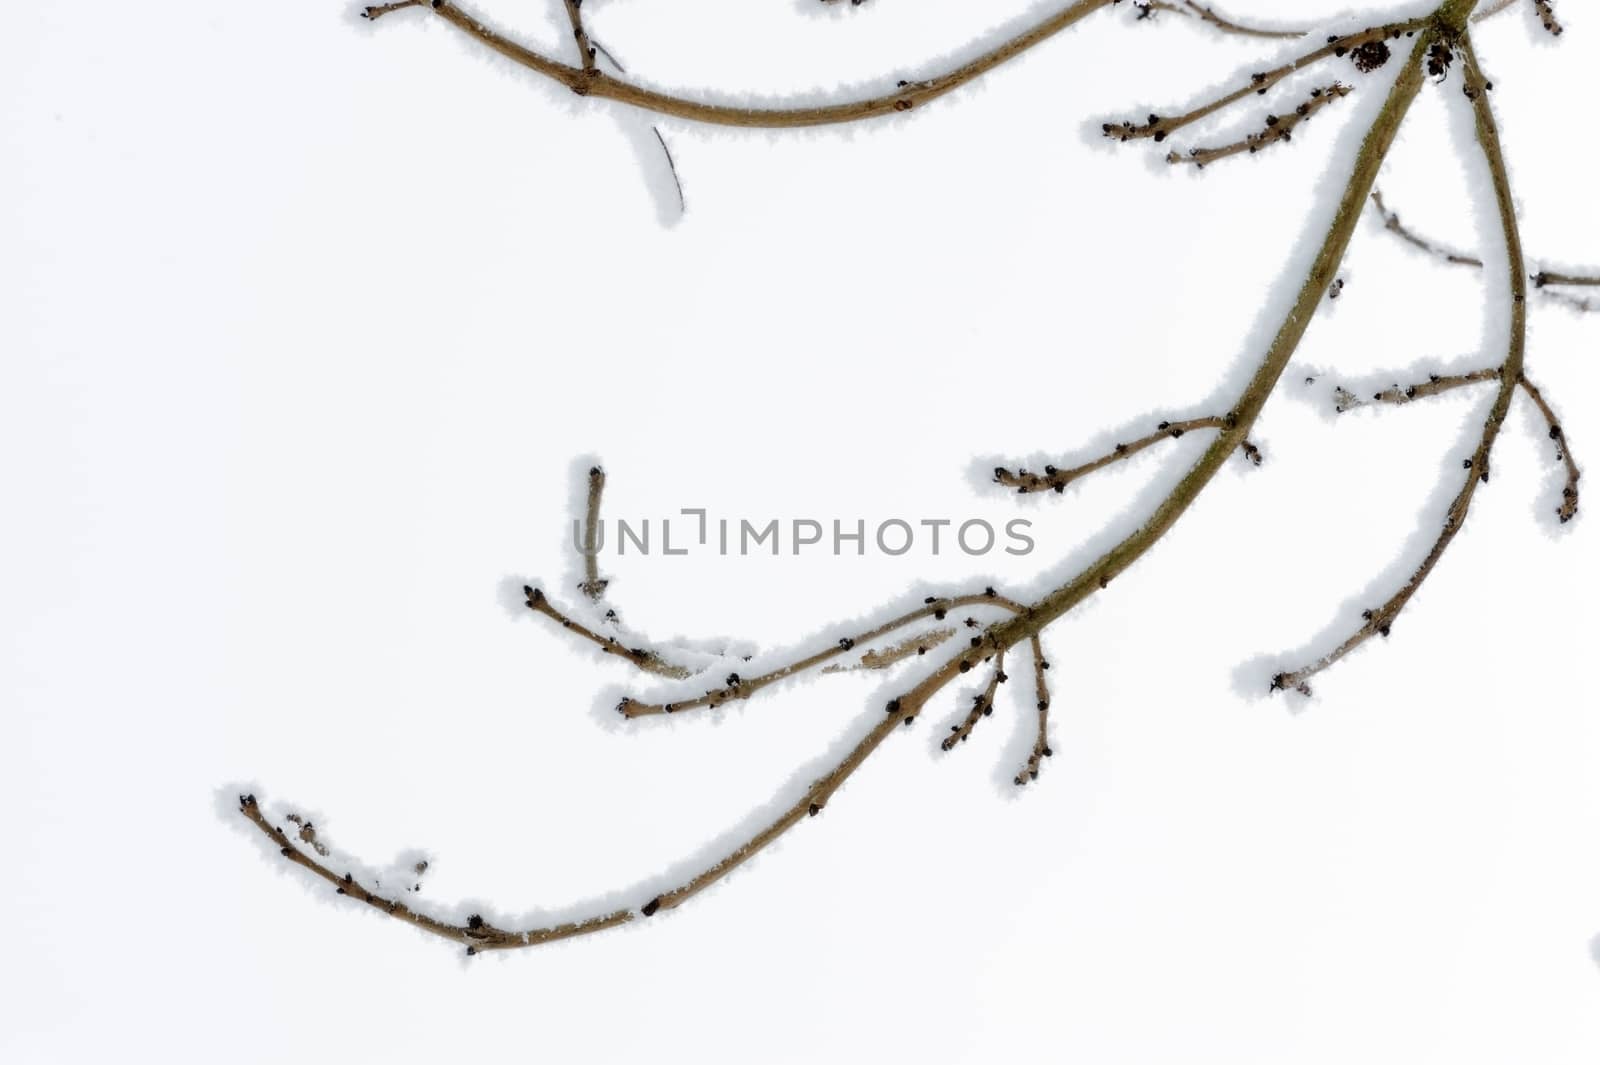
x: 1055, y: 479
x: 1438, y: 41
x: 1277, y: 129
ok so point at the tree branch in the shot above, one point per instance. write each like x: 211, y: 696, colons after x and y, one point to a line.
x: 597, y: 83
x: 1056, y: 480
x: 1276, y: 128
x: 1569, y: 494
x: 737, y: 688
x: 476, y: 934
x: 1379, y: 621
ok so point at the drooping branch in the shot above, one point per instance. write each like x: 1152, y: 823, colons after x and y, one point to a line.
x: 1210, y: 17
x: 1380, y: 620
x: 1569, y: 492
x: 919, y: 643
x: 477, y: 935
x: 601, y: 85
x: 1041, y: 744
x: 1056, y: 480
x: 982, y: 705
x: 1023, y: 622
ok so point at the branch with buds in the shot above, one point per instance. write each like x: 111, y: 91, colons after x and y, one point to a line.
x: 1439, y: 44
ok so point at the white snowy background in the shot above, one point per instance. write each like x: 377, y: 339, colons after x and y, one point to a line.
x: 305, y: 322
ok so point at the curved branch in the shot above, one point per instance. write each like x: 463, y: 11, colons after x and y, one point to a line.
x: 1041, y: 744
x: 903, y: 711
x: 476, y: 935
x: 592, y: 81
x: 1569, y: 494
x: 1378, y: 622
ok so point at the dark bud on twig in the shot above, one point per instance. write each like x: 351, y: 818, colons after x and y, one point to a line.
x: 649, y: 909
x: 1370, y: 56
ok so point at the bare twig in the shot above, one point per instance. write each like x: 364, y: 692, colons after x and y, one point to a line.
x: 882, y: 658
x: 1276, y: 128
x: 476, y: 934
x: 1056, y: 480
x: 647, y: 660
x: 1541, y: 279
x: 599, y: 84
x: 1041, y: 744
x: 1399, y: 395
x: 1391, y: 222
x: 1569, y: 493
x: 1378, y: 621
x: 1159, y: 127
x: 736, y: 688
x: 377, y: 11
x: 579, y: 35
x: 1552, y: 277
x: 593, y: 586
x: 1209, y: 16
x: 982, y: 704
x: 1026, y: 622
x: 672, y: 168
x: 1547, y: 16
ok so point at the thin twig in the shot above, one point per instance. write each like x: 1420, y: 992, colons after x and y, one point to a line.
x: 1399, y: 395
x: 476, y: 934
x: 1541, y: 279
x: 883, y: 657
x: 982, y: 704
x: 1041, y: 744
x: 599, y: 84
x: 736, y: 688
x: 1551, y: 277
x: 593, y: 586
x: 1569, y: 493
x: 377, y: 11
x: 1379, y: 621
x: 1056, y: 480
x: 647, y: 660
x: 586, y: 51
x: 1547, y: 17
x: 1028, y: 622
x: 1209, y: 16
x: 1276, y: 128
x: 1159, y: 127
x: 672, y: 168
x: 1391, y: 222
